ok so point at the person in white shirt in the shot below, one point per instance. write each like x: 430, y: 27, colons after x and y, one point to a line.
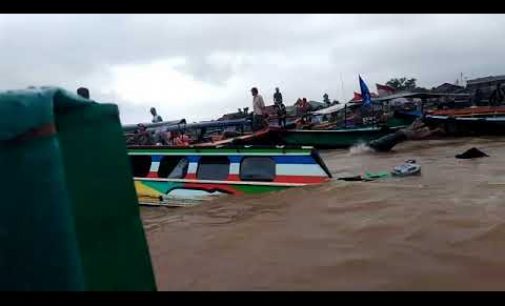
x: 156, y: 118
x: 258, y: 110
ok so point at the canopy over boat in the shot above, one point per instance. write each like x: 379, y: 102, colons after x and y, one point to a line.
x: 133, y: 127
x: 176, y: 125
x: 330, y: 110
x: 420, y: 95
x: 216, y: 124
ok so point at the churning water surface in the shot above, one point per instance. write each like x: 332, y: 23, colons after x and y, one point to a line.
x: 444, y: 229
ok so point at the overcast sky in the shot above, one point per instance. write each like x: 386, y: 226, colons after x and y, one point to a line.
x: 201, y: 66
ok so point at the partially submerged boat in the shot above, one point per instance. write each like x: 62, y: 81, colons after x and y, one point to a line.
x: 179, y: 176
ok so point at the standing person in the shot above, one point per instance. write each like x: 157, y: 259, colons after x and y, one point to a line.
x: 298, y: 104
x: 156, y: 117
x: 477, y: 97
x: 326, y: 99
x: 281, y: 109
x: 498, y: 96
x: 281, y: 113
x: 277, y: 96
x: 258, y: 109
x: 305, y: 108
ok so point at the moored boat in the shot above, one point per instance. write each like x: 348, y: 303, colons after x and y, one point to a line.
x: 330, y: 139
x: 474, y: 120
x: 473, y: 111
x: 466, y: 125
x: 177, y: 176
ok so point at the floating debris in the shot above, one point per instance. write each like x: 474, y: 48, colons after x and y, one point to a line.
x: 472, y: 153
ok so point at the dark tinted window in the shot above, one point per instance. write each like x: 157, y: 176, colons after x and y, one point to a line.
x: 213, y: 168
x: 257, y: 169
x: 140, y: 165
x: 173, y: 167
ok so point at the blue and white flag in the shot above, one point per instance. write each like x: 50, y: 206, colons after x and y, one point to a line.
x: 365, y: 93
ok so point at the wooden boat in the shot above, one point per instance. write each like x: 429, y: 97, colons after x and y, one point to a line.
x: 176, y: 176
x: 200, y: 132
x: 331, y: 139
x: 466, y: 126
x: 261, y: 137
x: 475, y: 120
x: 474, y: 111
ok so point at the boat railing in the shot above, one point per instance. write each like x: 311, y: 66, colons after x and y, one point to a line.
x: 231, y: 146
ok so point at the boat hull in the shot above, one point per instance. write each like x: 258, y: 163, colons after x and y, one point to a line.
x: 182, y: 176
x: 155, y: 192
x: 333, y: 139
x: 468, y: 126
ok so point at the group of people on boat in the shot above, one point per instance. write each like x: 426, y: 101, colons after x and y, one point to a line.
x: 260, y: 115
x: 142, y: 136
x: 160, y: 136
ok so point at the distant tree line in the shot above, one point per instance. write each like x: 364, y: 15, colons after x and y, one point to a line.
x: 402, y: 83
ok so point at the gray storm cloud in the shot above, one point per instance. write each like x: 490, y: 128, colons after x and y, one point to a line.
x: 304, y: 54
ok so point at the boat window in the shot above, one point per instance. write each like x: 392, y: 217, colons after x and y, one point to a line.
x: 175, y: 167
x: 257, y: 169
x: 140, y: 165
x: 213, y: 168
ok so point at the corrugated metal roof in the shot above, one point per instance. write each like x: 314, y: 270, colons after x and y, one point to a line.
x: 419, y: 95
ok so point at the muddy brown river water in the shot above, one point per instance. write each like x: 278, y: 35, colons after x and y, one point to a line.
x: 444, y: 229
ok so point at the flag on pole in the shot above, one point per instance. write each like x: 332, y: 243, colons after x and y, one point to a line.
x: 365, y: 93
x: 357, y: 97
x: 384, y: 90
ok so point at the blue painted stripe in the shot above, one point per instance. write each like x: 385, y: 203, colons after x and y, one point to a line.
x: 193, y: 158
x: 235, y: 159
x: 286, y: 159
x: 294, y: 159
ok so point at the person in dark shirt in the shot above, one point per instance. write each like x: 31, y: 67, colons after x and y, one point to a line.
x: 498, y: 96
x: 477, y: 97
x: 143, y: 136
x: 305, y: 108
x: 277, y: 96
x: 281, y: 113
x: 326, y: 99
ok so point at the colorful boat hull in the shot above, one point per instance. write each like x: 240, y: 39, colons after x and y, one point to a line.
x: 276, y: 168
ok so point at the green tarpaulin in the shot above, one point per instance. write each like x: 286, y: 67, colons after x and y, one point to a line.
x: 70, y: 218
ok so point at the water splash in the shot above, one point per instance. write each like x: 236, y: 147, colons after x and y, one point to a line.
x: 360, y: 148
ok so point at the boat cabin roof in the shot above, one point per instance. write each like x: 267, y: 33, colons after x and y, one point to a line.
x: 222, y: 150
